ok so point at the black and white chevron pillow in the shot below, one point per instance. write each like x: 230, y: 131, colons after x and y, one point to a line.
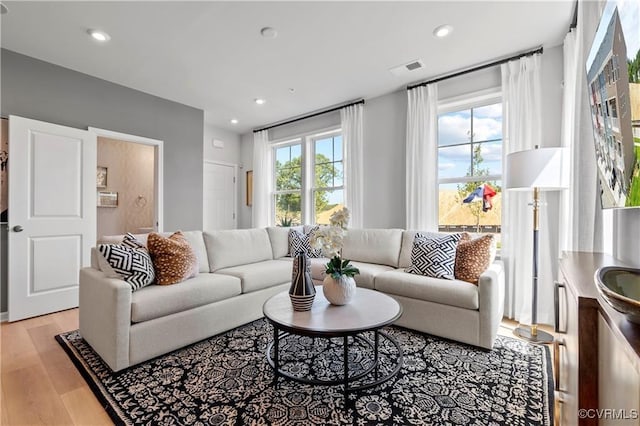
x: 132, y: 264
x: 301, y: 242
x: 434, y: 256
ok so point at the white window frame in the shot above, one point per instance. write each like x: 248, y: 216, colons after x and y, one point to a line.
x: 313, y: 189
x: 274, y: 191
x: 460, y: 103
x: 307, y: 192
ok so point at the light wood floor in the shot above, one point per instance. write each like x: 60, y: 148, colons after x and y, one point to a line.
x: 39, y: 383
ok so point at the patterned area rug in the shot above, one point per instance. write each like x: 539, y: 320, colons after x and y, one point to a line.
x: 226, y: 380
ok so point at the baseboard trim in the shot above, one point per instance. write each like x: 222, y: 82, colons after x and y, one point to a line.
x: 4, y: 316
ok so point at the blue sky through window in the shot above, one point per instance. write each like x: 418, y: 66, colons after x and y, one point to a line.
x: 455, y: 135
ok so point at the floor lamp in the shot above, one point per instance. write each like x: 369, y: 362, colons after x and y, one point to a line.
x: 540, y: 169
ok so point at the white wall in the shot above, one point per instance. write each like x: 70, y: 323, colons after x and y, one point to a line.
x: 231, y: 151
x: 246, y: 160
x: 230, y: 154
x: 384, y: 140
x: 384, y: 161
x: 626, y: 236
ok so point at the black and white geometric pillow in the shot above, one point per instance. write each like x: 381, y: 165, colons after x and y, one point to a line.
x: 300, y: 242
x: 434, y: 256
x: 132, y: 264
x: 130, y: 241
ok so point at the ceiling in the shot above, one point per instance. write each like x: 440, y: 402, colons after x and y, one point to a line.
x: 210, y: 55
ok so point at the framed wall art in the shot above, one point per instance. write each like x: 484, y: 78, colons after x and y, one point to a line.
x: 101, y: 177
x: 250, y: 187
x: 107, y: 199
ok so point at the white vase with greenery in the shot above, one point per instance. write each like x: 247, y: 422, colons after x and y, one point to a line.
x: 338, y: 286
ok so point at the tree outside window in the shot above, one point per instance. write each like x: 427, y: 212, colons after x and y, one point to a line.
x: 326, y: 175
x: 469, y: 157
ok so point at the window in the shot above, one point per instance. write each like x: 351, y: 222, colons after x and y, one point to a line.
x: 288, y: 184
x: 309, y: 179
x: 470, y: 156
x: 328, y: 188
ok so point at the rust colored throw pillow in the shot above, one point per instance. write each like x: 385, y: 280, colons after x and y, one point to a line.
x: 173, y: 258
x: 473, y: 257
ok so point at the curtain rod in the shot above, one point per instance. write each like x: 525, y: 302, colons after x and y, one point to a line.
x: 476, y: 68
x: 312, y: 114
x: 574, y: 20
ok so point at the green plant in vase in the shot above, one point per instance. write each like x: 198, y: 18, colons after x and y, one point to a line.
x: 339, y: 285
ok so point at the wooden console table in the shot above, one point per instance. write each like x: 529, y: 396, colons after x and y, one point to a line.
x: 597, y: 351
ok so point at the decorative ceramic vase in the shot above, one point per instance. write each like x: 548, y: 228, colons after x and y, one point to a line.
x: 340, y: 291
x: 302, y: 291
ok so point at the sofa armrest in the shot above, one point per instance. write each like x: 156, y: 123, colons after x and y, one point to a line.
x: 105, y: 316
x: 491, y: 303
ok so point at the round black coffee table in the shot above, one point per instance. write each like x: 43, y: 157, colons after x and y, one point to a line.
x: 366, y: 314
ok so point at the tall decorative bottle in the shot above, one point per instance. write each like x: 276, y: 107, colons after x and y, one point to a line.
x: 302, y: 291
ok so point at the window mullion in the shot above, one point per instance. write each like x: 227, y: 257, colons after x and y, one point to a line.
x: 308, y: 168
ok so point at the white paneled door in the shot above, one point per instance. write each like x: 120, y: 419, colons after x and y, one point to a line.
x: 219, y: 201
x: 52, y: 214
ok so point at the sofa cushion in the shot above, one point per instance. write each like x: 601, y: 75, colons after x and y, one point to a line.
x: 381, y: 246
x: 158, y: 301
x: 196, y: 241
x: 447, y: 292
x: 173, y: 258
x: 259, y: 275
x: 473, y: 257
x: 279, y: 238
x: 235, y: 247
x: 194, y: 238
x: 434, y: 256
x: 368, y: 272
x: 318, y: 267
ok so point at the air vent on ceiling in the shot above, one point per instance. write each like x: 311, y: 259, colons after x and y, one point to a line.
x: 408, y: 67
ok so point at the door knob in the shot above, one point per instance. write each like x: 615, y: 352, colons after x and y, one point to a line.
x: 17, y: 228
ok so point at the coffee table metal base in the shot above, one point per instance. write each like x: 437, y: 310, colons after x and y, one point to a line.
x: 346, y: 379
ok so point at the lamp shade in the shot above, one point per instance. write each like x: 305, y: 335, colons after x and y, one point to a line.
x: 542, y: 168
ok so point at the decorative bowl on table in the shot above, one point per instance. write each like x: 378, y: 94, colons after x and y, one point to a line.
x: 620, y: 287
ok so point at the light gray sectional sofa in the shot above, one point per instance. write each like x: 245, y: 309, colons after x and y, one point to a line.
x: 241, y: 269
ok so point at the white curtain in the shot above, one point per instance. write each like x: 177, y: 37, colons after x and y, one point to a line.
x: 522, y: 127
x: 262, y: 177
x: 352, y: 135
x: 581, y: 217
x: 569, y: 94
x: 422, y: 158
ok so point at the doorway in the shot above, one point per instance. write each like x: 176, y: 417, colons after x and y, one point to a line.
x: 219, y: 196
x: 128, y: 184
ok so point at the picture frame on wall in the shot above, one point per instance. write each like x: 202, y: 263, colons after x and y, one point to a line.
x: 101, y: 177
x: 107, y: 199
x: 250, y: 188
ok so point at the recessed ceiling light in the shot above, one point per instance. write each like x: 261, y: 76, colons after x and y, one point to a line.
x: 268, y: 32
x: 234, y: 121
x: 259, y: 101
x: 292, y: 90
x: 442, y: 31
x: 3, y: 9
x: 100, y: 36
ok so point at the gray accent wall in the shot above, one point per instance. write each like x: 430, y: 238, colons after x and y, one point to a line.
x: 43, y: 91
